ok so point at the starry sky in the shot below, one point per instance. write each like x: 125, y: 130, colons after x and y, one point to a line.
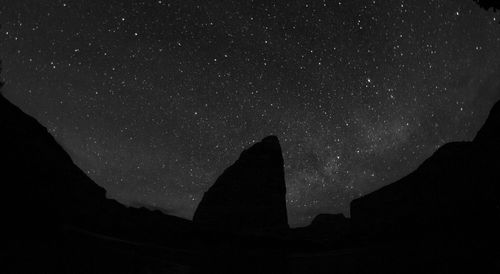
x: 154, y: 99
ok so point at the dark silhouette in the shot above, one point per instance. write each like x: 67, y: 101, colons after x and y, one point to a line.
x: 443, y: 217
x: 1, y: 82
x: 487, y: 4
x: 454, y: 194
x: 249, y: 196
x: 56, y: 219
x: 326, y: 231
x: 48, y: 204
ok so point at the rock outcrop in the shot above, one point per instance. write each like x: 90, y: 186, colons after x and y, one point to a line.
x: 453, y: 195
x: 55, y: 219
x: 489, y: 134
x: 326, y: 231
x: 43, y: 191
x: 249, y: 196
x: 454, y: 192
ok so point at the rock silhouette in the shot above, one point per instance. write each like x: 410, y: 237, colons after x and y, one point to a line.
x: 56, y: 219
x: 487, y: 4
x: 249, y: 196
x: 45, y: 189
x: 325, y: 231
x: 439, y: 217
x: 455, y: 193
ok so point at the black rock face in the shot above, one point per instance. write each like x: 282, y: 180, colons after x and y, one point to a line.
x: 330, y: 221
x: 325, y: 231
x: 487, y: 4
x: 489, y: 134
x: 43, y: 191
x: 56, y: 219
x: 455, y: 191
x: 250, y: 195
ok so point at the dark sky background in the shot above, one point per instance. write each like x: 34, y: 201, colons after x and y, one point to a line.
x: 154, y: 99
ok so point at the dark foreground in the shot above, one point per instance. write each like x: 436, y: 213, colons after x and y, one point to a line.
x: 83, y: 252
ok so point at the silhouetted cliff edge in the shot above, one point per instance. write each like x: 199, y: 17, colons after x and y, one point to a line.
x: 50, y: 209
x: 249, y: 196
x: 434, y: 218
x: 454, y: 194
x: 43, y: 188
x: 444, y: 217
x: 56, y: 219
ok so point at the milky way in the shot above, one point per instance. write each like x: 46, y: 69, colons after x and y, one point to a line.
x: 153, y: 99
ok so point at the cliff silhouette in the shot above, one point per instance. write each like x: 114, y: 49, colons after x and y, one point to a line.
x: 454, y: 194
x: 56, y: 219
x: 51, y: 209
x: 444, y: 216
x: 45, y: 188
x: 488, y: 4
x: 250, y: 195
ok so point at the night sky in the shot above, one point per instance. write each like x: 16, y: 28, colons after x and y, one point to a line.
x: 154, y: 99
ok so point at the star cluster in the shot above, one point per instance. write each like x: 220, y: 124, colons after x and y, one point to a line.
x: 153, y: 99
